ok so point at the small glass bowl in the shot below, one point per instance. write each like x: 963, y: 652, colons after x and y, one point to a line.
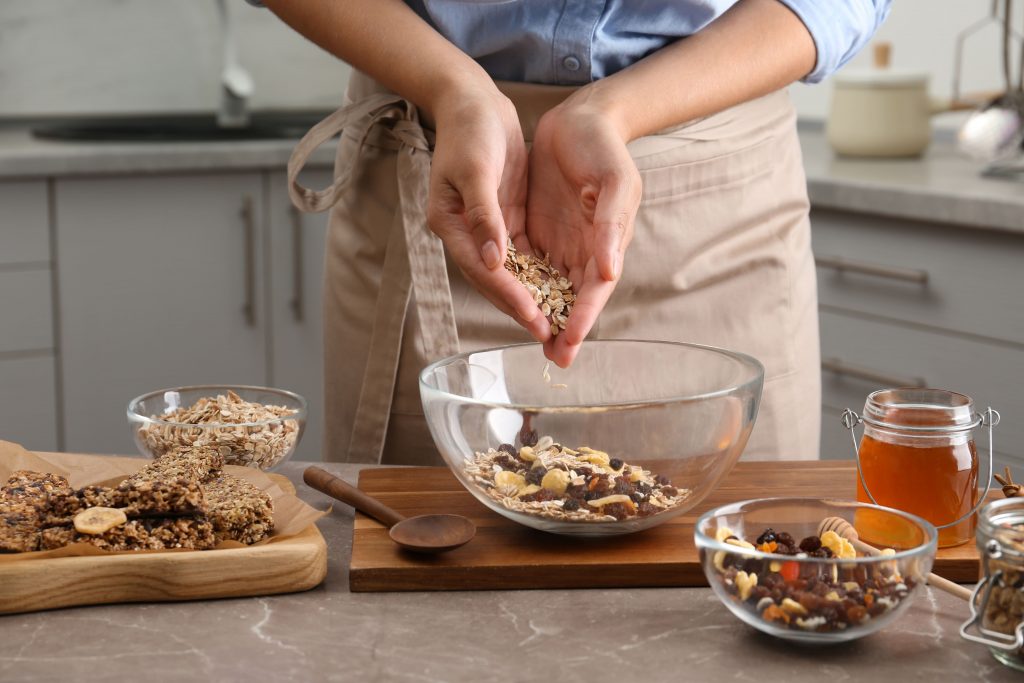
x: 678, y: 416
x: 830, y: 593
x: 265, y: 444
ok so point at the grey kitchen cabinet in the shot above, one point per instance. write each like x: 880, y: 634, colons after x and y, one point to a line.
x: 161, y: 285
x: 906, y: 303
x: 295, y: 284
x: 28, y: 365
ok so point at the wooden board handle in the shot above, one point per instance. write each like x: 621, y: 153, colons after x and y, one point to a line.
x: 339, y: 489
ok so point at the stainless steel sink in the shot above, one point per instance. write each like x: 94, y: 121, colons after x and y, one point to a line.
x: 185, y: 128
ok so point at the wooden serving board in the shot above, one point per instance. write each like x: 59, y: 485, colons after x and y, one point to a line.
x: 507, y: 555
x: 287, y: 566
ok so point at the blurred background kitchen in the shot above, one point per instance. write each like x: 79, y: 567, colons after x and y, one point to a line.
x: 142, y: 244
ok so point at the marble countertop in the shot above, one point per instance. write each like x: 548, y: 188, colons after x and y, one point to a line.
x: 585, y: 636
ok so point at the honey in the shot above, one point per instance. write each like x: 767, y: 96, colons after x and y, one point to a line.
x: 937, y: 482
x: 917, y: 454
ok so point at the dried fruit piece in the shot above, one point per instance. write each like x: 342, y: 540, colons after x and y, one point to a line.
x: 839, y: 546
x: 722, y: 533
x: 745, y: 583
x: 608, y: 500
x: 793, y: 607
x: 506, y: 479
x: 98, y: 520
x: 527, y: 453
x: 556, y: 481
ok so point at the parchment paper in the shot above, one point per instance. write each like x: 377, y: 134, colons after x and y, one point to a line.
x: 292, y: 516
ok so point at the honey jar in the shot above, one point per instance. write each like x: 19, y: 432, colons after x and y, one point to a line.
x: 997, y: 606
x: 917, y: 454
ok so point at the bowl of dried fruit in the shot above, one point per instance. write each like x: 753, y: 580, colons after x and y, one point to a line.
x: 631, y: 435
x: 251, y: 426
x: 777, y: 567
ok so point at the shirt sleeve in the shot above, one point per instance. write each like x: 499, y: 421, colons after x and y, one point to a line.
x: 839, y: 28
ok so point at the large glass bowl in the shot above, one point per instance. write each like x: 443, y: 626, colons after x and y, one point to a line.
x: 265, y: 443
x: 657, y: 423
x: 830, y: 599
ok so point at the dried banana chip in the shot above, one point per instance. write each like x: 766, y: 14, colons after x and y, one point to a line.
x: 98, y: 520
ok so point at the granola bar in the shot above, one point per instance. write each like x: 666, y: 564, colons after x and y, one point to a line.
x: 19, y: 527
x: 137, y: 499
x: 549, y: 480
x: 239, y: 510
x: 195, y: 463
x: 27, y: 485
x: 152, y: 533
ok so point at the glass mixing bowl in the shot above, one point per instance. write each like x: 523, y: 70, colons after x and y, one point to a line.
x: 633, y: 434
x: 259, y: 426
x: 806, y: 598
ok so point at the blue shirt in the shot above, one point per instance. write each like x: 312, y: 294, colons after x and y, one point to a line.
x: 572, y: 42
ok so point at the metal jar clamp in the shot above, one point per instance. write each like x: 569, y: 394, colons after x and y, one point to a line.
x: 989, y: 419
x: 1000, y: 641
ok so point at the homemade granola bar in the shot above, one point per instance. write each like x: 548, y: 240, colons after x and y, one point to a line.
x: 580, y: 485
x: 195, y: 463
x: 239, y: 510
x: 19, y: 526
x: 151, y: 533
x: 137, y: 499
x: 34, y: 486
x: 23, y: 502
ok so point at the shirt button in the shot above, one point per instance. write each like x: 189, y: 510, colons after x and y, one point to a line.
x: 571, y: 63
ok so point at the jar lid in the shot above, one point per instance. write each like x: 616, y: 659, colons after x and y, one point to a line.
x: 920, y: 410
x: 1003, y: 520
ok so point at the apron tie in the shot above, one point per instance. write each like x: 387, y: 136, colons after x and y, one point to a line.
x: 414, y: 263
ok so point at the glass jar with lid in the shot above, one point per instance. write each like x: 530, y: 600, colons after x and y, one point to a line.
x: 997, y: 606
x: 918, y: 455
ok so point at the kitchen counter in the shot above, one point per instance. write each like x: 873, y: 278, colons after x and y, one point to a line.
x: 941, y: 187
x: 331, y: 634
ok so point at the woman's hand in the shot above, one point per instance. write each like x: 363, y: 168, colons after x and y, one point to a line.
x: 478, y: 197
x: 584, y: 192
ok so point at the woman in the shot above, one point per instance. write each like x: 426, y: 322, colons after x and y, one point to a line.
x: 647, y: 147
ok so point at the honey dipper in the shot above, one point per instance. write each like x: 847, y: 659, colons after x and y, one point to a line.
x: 846, y: 530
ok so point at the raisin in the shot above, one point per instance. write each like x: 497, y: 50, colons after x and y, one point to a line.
x: 508, y: 448
x: 615, y: 464
x: 528, y: 437
x: 617, y: 510
x: 507, y: 463
x: 663, y: 480
x: 539, y: 496
x: 856, y: 614
x: 766, y: 537
x: 782, y: 538
x: 535, y: 475
x: 623, y: 487
x: 670, y: 491
x: 759, y: 592
x: 645, y: 509
x: 571, y: 505
x: 810, y: 544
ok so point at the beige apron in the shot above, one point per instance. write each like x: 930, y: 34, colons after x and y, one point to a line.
x: 721, y: 255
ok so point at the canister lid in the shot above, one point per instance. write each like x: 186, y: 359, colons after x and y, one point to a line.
x: 921, y: 410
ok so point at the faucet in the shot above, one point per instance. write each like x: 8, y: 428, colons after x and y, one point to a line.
x: 236, y: 85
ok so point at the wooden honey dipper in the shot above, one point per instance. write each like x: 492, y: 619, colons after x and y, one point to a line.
x: 846, y: 530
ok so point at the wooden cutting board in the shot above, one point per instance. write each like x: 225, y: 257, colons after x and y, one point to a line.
x: 294, y: 564
x: 507, y: 555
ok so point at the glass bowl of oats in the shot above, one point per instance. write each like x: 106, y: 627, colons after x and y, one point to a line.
x: 633, y: 434
x: 250, y: 426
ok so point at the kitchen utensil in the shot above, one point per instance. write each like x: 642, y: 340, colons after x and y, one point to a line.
x: 677, y: 415
x: 997, y: 611
x: 435, y: 533
x: 507, y: 555
x: 847, y: 531
x: 884, y: 112
x: 831, y: 599
x: 918, y: 455
x: 265, y: 443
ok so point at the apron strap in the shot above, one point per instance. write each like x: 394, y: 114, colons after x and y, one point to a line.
x: 414, y: 263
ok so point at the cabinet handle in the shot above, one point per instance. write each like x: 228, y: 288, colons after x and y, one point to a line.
x: 249, y: 228
x: 298, y: 303
x: 841, y: 264
x: 842, y: 368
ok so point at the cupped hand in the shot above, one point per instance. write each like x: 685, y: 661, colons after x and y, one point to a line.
x: 584, y: 192
x: 477, y: 202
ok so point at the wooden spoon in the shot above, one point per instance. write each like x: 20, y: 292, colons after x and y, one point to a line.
x: 846, y: 530
x: 421, y: 534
